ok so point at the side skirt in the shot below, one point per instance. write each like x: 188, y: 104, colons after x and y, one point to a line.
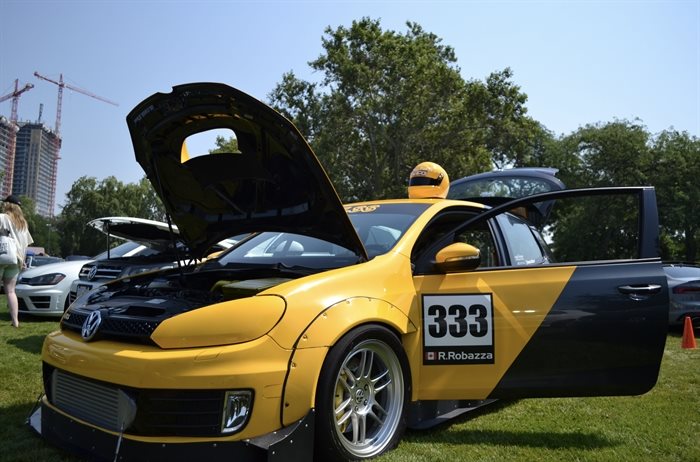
x: 426, y: 414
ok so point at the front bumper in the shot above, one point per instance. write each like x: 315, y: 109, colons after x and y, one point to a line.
x: 292, y: 443
x: 259, y: 365
x: 44, y: 301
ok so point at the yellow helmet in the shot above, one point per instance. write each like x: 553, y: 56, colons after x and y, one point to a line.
x: 428, y: 181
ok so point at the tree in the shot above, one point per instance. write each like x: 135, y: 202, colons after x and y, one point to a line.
x: 388, y: 101
x: 89, y: 199
x: 676, y: 169
x: 612, y: 154
x: 624, y: 153
x: 42, y: 229
x: 224, y: 145
x: 511, y: 137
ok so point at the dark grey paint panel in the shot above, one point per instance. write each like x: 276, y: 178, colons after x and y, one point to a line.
x: 595, y: 340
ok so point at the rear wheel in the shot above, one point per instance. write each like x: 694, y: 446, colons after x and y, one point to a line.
x: 362, y: 396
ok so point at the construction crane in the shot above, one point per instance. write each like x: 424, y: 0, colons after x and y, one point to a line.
x: 12, y: 141
x: 61, y: 85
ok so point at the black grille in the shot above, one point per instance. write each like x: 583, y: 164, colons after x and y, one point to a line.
x: 42, y: 302
x: 74, y: 320
x: 159, y: 412
x: 116, y: 327
x: 129, y: 326
x: 102, y: 271
x: 181, y: 413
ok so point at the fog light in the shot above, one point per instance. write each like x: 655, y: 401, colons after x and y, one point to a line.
x: 237, y: 406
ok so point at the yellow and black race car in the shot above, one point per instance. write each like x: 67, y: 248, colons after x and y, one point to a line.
x: 330, y: 328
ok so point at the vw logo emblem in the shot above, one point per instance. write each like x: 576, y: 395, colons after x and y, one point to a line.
x: 90, y: 326
x: 91, y: 274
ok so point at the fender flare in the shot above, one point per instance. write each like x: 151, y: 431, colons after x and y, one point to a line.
x: 311, y: 347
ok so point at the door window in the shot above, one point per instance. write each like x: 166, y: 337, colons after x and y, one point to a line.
x: 480, y: 236
x: 523, y: 248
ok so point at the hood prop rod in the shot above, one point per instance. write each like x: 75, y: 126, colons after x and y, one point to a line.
x: 170, y: 226
x: 106, y: 226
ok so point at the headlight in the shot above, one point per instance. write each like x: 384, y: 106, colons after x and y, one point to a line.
x: 225, y: 323
x: 237, y: 405
x: 43, y: 280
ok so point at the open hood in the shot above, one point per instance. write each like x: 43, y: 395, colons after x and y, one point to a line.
x: 273, y: 182
x: 152, y: 234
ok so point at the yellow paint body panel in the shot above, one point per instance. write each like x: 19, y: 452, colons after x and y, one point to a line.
x: 324, y: 332
x: 378, y: 286
x: 224, y: 323
x: 259, y: 365
x: 517, y: 315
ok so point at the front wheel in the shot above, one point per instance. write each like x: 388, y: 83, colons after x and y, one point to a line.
x: 362, y: 396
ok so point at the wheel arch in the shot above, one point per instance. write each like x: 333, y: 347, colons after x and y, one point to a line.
x: 313, y: 344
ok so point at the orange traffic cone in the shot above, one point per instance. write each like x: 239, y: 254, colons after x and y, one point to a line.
x: 688, y: 335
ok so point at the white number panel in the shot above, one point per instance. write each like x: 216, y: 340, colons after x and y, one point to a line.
x: 458, y: 329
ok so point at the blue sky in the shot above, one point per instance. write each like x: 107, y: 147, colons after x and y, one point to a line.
x: 579, y: 62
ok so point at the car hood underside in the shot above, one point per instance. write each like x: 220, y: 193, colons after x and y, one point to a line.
x: 273, y: 182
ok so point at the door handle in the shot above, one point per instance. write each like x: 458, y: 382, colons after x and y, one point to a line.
x: 640, y: 292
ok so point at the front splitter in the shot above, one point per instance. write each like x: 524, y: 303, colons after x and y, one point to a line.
x: 289, y: 444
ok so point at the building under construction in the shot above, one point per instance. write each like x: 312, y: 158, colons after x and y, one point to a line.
x: 35, y: 166
x: 8, y: 131
x: 29, y: 161
x: 36, y: 148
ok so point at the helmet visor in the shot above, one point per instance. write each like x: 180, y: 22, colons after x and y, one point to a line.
x: 425, y: 181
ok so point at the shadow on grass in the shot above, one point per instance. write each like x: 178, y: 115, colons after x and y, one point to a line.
x: 20, y: 442
x: 28, y: 318
x: 24, y: 317
x: 31, y: 344
x: 548, y: 440
x: 16, y: 415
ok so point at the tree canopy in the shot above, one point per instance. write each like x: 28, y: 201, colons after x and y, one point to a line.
x: 388, y: 101
x: 89, y: 198
x: 625, y: 153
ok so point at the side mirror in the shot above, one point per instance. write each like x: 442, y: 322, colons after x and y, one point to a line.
x: 458, y: 257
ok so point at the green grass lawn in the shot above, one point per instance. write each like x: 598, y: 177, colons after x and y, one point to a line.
x: 662, y: 425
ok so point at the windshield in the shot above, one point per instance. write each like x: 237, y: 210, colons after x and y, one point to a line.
x: 379, y: 226
x: 122, y: 250
x: 501, y: 186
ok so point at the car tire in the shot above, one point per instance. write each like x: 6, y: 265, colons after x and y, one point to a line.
x: 362, y: 396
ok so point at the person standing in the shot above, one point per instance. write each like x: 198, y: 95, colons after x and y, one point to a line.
x: 12, y: 220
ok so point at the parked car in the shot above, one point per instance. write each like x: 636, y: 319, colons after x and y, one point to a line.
x: 32, y: 261
x: 332, y: 327
x: 506, y: 184
x: 684, y: 292
x: 162, y: 249
x: 43, y: 290
x: 46, y: 291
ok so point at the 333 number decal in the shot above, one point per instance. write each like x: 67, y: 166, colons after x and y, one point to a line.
x: 461, y: 325
x: 458, y: 320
